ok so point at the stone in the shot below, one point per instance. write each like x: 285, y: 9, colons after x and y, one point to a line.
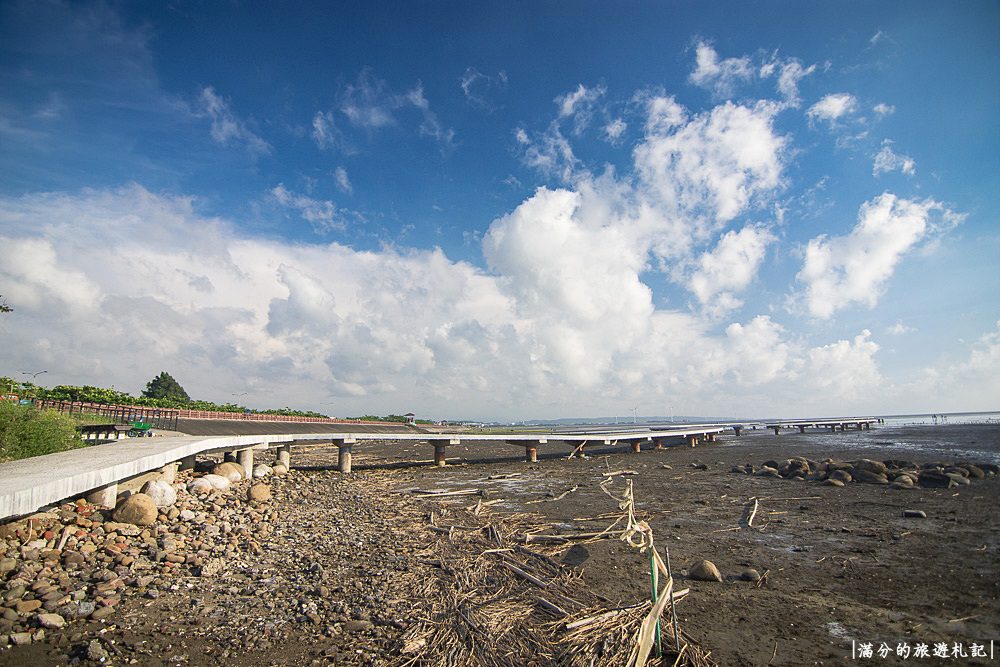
x: 27, y: 606
x: 102, y: 612
x: 261, y: 470
x: 96, y: 652
x: 959, y: 480
x: 358, y: 626
x: 231, y: 471
x: 975, y: 471
x: 138, y: 509
x: 186, y: 515
x: 279, y: 470
x: 869, y: 477
x: 51, y: 621
x: 934, y: 479
x: 7, y: 565
x: 163, y: 493
x: 199, y: 486
x: 259, y: 493
x: 832, y: 482
x: 705, y: 570
x: 217, y: 481
x: 841, y: 476
x: 767, y: 471
x: 749, y: 574
x: 876, y: 467
x: 20, y: 638
x: 914, y: 514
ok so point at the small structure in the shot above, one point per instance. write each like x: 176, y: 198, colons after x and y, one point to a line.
x: 410, y: 418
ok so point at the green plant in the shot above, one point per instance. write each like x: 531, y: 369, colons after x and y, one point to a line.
x: 165, y: 386
x: 26, y: 431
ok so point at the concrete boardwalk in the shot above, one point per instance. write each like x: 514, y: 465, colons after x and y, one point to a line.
x: 842, y: 424
x: 30, y: 484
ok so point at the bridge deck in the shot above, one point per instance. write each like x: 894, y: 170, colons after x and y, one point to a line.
x: 30, y: 484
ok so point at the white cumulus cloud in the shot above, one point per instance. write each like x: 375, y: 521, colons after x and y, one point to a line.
x: 729, y: 268
x: 227, y: 128
x: 887, y: 160
x: 833, y: 107
x: 721, y: 77
x: 840, y: 271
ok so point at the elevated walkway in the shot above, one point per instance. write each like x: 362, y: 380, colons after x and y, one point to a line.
x: 30, y: 484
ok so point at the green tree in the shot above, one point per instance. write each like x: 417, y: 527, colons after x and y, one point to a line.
x: 164, y: 386
x: 4, y: 308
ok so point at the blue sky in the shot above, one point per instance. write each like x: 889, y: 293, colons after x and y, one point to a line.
x: 515, y: 211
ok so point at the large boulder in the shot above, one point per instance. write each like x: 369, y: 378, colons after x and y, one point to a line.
x: 232, y: 471
x: 259, y: 493
x: 841, y: 476
x: 138, y: 509
x: 200, y: 486
x: 262, y: 470
x: 935, y: 479
x: 705, y: 570
x: 869, y: 477
x: 218, y: 482
x: 876, y: 467
x: 163, y: 493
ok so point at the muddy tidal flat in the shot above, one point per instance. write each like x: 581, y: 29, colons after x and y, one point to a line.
x: 330, y: 569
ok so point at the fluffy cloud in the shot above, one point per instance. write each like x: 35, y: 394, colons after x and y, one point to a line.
x: 342, y: 180
x: 323, y: 214
x: 371, y: 104
x: 729, y: 268
x: 579, y: 105
x: 561, y: 322
x: 843, y: 270
x: 833, y: 107
x: 721, y: 77
x: 887, y: 160
x: 227, y: 129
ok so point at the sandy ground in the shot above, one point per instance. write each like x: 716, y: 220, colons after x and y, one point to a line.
x: 843, y: 567
x: 843, y: 564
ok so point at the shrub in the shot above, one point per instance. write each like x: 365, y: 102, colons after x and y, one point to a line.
x: 26, y: 431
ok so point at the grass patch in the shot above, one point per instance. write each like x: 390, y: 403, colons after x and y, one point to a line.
x: 26, y: 432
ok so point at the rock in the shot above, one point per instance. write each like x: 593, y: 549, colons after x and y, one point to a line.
x: 833, y: 482
x: 901, y: 486
x: 7, y: 565
x: 738, y: 469
x: 96, y: 652
x: 705, y: 570
x: 279, y: 470
x: 261, y: 470
x: 358, y: 626
x: 186, y: 515
x: 20, y: 638
x: 767, y: 471
x: 259, y: 493
x: 138, y: 509
x: 840, y: 475
x: 975, y: 471
x: 163, y: 493
x: 199, y: 486
x: 959, y: 480
x: 749, y: 574
x: 217, y: 481
x: 51, y: 621
x: 27, y: 606
x: 934, y: 479
x: 876, y: 467
x: 102, y: 612
x: 231, y: 471
x: 914, y: 514
x: 699, y: 466
x: 869, y: 477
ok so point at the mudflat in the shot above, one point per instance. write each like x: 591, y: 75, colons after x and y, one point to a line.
x: 331, y: 569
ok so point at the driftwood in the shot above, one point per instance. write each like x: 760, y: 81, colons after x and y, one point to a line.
x: 553, y: 499
x: 420, y: 493
x: 753, y: 513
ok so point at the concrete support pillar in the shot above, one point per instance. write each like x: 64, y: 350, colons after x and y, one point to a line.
x: 531, y: 453
x: 106, y: 496
x: 777, y: 430
x: 168, y: 473
x: 439, y: 453
x: 187, y: 463
x: 692, y: 440
x: 636, y: 447
x: 710, y: 437
x: 738, y: 430
x: 802, y: 428
x: 229, y: 457
x: 658, y: 443
x: 245, y: 458
x: 344, y: 456
x: 285, y: 456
